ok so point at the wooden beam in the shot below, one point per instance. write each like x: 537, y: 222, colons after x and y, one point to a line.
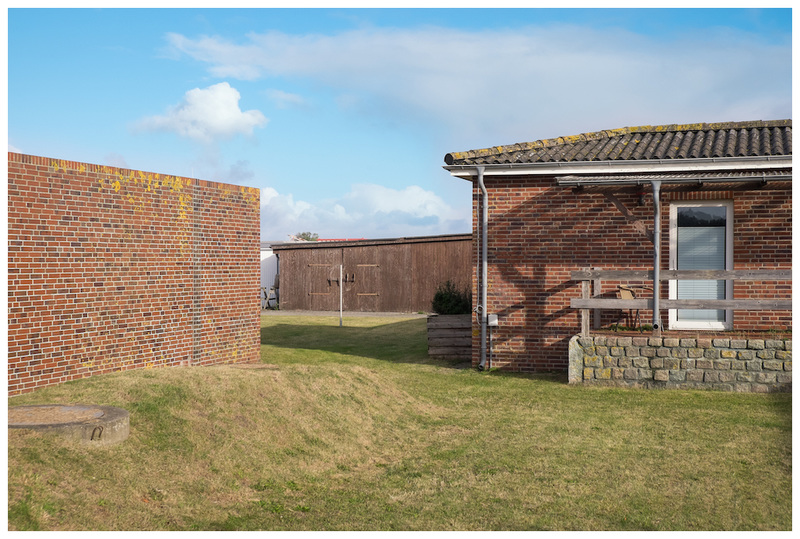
x: 668, y: 275
x: 647, y: 303
x: 639, y: 225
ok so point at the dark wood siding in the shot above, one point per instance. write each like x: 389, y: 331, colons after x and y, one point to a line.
x: 378, y: 275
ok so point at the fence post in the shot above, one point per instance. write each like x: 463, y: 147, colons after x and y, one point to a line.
x: 584, y: 312
x: 597, y: 314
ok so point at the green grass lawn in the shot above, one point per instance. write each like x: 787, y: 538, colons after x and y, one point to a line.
x: 354, y: 428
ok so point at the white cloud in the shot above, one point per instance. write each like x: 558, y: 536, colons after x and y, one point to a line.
x: 285, y: 100
x: 509, y: 86
x: 368, y: 210
x: 207, y: 114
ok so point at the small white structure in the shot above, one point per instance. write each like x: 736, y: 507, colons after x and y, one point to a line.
x: 269, y: 269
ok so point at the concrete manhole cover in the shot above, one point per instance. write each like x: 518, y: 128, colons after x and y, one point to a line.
x: 97, y: 425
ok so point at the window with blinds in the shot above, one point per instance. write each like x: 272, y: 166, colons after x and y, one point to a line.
x: 700, y: 239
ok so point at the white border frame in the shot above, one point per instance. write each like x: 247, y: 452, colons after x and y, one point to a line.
x: 674, y: 323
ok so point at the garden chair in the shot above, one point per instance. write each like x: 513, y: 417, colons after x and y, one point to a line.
x: 632, y: 292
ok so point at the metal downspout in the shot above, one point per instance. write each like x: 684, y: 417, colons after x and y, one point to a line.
x: 484, y: 266
x: 657, y: 256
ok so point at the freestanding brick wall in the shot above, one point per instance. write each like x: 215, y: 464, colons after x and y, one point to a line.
x: 539, y: 233
x: 112, y: 269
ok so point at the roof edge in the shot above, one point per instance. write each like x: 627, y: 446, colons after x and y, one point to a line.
x: 452, y: 157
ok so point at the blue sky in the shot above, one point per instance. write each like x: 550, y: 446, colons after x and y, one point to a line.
x: 342, y: 117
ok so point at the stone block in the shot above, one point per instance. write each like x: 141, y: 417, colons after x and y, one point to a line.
x: 631, y: 374
x: 586, y: 342
x: 721, y: 343
x: 592, y: 361
x: 657, y: 363
x: 624, y: 362
x: 774, y: 344
x: 617, y: 351
x: 611, y: 341
x: 655, y: 341
x: 711, y: 377
x: 766, y: 377
x: 742, y: 388
x: 588, y: 374
x: 711, y: 353
x: 773, y: 365
x: 687, y: 364
x: 672, y: 363
x: 738, y: 343
x: 624, y: 341
x: 783, y: 356
x: 704, y: 363
x: 677, y: 376
x: 647, y: 351
x: 746, y: 355
x: 755, y: 344
x: 737, y: 365
x: 765, y: 354
x: 680, y: 352
x: 695, y: 352
x: 617, y: 374
x: 603, y: 374
x: 787, y: 345
x: 704, y: 343
x: 759, y: 388
x: 722, y: 364
x: 784, y: 378
x: 746, y: 376
x: 640, y: 362
x: 694, y: 376
x: 727, y: 376
x: 663, y: 352
x: 600, y: 340
x: 601, y: 350
x: 671, y: 342
x: 645, y: 374
x: 787, y: 366
x: 661, y: 375
x: 727, y: 354
x: 631, y: 351
x: 640, y: 341
x: 753, y: 366
x: 609, y: 361
x: 689, y: 343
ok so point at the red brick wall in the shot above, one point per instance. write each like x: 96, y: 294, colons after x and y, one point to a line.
x: 539, y: 233
x: 112, y: 269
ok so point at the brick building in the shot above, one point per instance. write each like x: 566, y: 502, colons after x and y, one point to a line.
x: 112, y: 269
x: 691, y: 198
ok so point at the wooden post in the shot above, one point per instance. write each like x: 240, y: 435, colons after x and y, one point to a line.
x: 585, y: 312
x: 597, y: 314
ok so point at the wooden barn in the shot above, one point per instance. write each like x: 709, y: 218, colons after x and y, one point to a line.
x: 382, y: 275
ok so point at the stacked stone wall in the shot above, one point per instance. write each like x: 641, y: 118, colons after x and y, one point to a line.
x: 720, y: 363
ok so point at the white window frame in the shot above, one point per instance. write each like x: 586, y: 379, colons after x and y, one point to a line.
x: 674, y: 323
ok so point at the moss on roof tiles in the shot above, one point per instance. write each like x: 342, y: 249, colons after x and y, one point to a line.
x: 568, y: 148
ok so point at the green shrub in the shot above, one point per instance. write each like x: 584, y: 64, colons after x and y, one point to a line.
x: 448, y: 299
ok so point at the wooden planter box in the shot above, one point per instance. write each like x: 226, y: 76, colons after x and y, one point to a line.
x: 450, y: 336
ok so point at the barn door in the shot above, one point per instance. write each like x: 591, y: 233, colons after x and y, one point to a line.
x: 322, y: 284
x: 362, y: 279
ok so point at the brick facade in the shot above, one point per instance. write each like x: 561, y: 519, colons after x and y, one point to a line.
x: 112, y: 269
x: 540, y: 232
